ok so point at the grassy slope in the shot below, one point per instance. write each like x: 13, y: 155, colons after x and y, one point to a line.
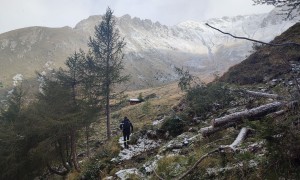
x: 267, y: 62
x: 145, y: 113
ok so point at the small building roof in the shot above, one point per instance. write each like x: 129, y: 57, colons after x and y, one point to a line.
x: 134, y: 100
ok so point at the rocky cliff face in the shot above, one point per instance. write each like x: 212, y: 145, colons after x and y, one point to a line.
x: 152, y: 49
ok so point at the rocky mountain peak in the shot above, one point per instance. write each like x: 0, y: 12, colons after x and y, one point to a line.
x: 152, y: 49
x: 88, y: 24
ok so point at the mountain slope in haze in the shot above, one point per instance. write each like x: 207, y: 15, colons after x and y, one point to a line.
x: 27, y: 50
x: 152, y: 49
x: 268, y: 62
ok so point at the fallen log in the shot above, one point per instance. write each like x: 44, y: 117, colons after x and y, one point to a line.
x: 207, y: 131
x: 247, y: 114
x: 262, y: 94
x: 236, y: 118
x: 238, y: 140
x: 277, y: 113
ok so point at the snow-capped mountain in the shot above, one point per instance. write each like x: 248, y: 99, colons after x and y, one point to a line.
x: 152, y: 50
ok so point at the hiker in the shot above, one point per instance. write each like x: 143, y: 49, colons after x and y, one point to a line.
x: 127, y: 128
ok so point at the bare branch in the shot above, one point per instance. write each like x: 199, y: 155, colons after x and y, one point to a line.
x: 198, y: 162
x: 242, y: 135
x: 160, y: 178
x: 253, y: 40
x: 287, y: 6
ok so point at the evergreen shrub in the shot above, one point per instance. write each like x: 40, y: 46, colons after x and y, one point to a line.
x: 205, y: 99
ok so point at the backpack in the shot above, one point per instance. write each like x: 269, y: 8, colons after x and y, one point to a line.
x: 126, y: 125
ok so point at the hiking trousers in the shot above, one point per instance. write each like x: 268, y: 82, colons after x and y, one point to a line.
x: 126, y: 138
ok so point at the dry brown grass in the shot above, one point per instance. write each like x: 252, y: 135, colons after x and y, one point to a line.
x: 166, y: 97
x: 167, y: 93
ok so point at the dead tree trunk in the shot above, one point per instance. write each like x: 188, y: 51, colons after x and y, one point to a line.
x: 242, y: 135
x: 207, y: 131
x: 262, y: 94
x: 247, y: 114
x: 277, y: 113
x: 232, y: 120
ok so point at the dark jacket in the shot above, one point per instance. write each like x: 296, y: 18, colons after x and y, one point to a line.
x: 126, y: 126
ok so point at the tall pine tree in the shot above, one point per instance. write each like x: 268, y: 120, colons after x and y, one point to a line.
x: 107, y: 62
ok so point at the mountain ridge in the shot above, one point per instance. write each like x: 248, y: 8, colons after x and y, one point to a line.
x: 152, y: 51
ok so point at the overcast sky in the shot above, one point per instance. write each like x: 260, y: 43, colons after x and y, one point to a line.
x: 16, y: 14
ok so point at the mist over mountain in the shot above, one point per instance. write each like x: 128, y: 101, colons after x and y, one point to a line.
x: 152, y: 50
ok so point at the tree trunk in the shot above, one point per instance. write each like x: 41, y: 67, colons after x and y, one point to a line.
x: 262, y: 94
x: 232, y: 120
x: 87, y: 141
x: 207, y: 131
x: 62, y: 155
x: 68, y: 151
x: 238, y: 140
x: 277, y: 113
x: 247, y: 114
x: 108, y: 116
x: 73, y: 151
x: 108, y: 78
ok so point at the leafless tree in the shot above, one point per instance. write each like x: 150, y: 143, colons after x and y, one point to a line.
x: 291, y: 6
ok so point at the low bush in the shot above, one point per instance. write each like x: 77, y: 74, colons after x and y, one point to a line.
x: 283, y: 149
x: 205, y: 99
x: 173, y: 125
x: 101, y: 163
x: 146, y: 108
x: 92, y: 171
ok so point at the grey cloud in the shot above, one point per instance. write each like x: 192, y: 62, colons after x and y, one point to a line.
x: 56, y: 13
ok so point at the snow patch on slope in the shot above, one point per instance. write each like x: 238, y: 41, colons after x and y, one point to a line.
x: 143, y: 144
x: 17, y: 79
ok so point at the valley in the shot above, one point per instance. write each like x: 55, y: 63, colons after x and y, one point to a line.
x: 152, y: 49
x: 203, y: 105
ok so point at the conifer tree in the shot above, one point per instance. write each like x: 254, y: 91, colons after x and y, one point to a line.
x: 14, y: 105
x: 107, y: 62
x: 20, y: 133
x: 56, y: 106
x: 85, y: 96
x: 12, y: 148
